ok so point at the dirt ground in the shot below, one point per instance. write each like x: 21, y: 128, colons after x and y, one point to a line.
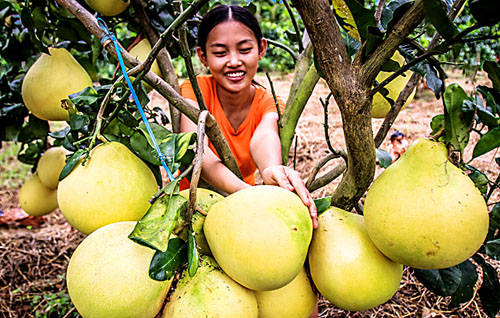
x: 34, y: 258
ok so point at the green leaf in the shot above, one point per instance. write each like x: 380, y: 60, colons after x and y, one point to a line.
x: 489, y: 293
x: 457, y: 122
x: 438, y: 16
x: 164, y: 264
x: 493, y: 70
x: 87, y: 100
x: 363, y: 17
x: 193, y: 256
x: 485, y: 11
x: 323, y: 204
x: 494, y: 222
x: 465, y: 290
x: 161, y: 133
x: 384, y: 159
x: 390, y: 66
x: 488, y: 142
x: 480, y: 180
x: 437, y: 124
x: 393, y: 12
x: 31, y: 152
x: 155, y: 227
x: 443, y: 282
x: 492, y: 248
x: 487, y: 117
x: 178, y: 149
x: 34, y: 129
x: 143, y: 149
x: 71, y: 163
x: 78, y: 121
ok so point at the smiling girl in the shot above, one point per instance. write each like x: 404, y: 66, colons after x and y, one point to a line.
x: 230, y: 44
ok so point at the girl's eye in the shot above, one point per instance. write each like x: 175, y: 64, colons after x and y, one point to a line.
x: 221, y: 53
x: 246, y: 50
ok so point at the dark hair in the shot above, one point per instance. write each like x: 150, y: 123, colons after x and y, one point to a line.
x: 223, y: 13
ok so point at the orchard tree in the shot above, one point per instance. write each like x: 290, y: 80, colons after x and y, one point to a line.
x: 348, y: 43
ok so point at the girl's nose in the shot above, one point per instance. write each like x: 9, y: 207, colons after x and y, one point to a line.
x: 234, y: 60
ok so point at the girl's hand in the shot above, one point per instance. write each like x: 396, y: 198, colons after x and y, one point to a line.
x: 289, y: 179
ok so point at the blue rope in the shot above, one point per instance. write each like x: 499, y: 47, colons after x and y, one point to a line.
x: 110, y: 36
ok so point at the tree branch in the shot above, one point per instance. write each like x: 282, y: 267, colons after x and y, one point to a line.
x: 410, y: 86
x: 163, y: 58
x: 186, y: 54
x: 410, y: 20
x: 295, y: 25
x: 284, y: 47
x: 213, y: 131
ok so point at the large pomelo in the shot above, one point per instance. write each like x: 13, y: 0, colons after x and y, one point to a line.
x: 50, y: 166
x: 141, y: 51
x: 50, y: 80
x: 345, y: 265
x: 424, y: 212
x: 294, y: 300
x: 108, y: 277
x: 381, y: 105
x: 108, y: 7
x: 36, y: 199
x: 210, y: 294
x: 259, y: 236
x: 204, y: 199
x: 114, y: 185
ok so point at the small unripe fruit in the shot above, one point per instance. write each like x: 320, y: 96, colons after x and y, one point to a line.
x: 36, y: 199
x: 50, y: 166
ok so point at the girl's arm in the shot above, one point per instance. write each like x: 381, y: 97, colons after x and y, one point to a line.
x: 213, y: 170
x: 265, y: 149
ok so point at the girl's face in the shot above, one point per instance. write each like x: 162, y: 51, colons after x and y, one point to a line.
x: 232, y: 55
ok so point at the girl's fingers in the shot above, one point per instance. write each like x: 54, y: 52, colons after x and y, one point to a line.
x: 303, y: 193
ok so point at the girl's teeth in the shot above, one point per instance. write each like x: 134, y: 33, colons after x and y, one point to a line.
x: 235, y: 74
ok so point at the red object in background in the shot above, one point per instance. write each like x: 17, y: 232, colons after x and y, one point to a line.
x: 398, y: 146
x: 18, y: 216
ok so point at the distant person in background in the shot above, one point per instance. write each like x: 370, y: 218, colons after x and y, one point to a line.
x: 398, y: 146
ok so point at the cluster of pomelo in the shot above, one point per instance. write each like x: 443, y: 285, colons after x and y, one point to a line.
x: 421, y: 212
x: 38, y: 195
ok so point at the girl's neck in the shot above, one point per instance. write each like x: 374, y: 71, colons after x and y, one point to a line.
x: 236, y: 102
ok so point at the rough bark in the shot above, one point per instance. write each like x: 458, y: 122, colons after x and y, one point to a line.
x: 351, y: 97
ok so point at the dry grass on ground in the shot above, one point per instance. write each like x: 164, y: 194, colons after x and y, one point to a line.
x: 33, y: 261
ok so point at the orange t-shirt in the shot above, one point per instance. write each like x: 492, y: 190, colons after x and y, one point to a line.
x: 239, y: 141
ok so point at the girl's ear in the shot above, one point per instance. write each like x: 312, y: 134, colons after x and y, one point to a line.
x: 263, y: 47
x: 202, y: 56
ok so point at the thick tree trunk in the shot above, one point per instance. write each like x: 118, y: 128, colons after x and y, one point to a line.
x: 352, y: 99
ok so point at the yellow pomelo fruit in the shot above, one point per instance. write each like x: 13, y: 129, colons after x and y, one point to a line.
x: 36, y: 199
x: 141, y: 51
x: 342, y: 10
x: 50, y: 80
x: 259, y: 236
x: 107, y: 276
x: 424, y: 212
x: 108, y: 7
x: 114, y: 185
x: 381, y: 106
x: 345, y: 265
x: 210, y: 294
x: 294, y: 300
x: 204, y: 199
x: 50, y: 166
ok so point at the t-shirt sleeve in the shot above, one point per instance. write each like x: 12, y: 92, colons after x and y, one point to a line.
x: 187, y: 90
x: 269, y: 104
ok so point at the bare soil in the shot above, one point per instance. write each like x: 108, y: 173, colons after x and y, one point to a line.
x: 33, y: 260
